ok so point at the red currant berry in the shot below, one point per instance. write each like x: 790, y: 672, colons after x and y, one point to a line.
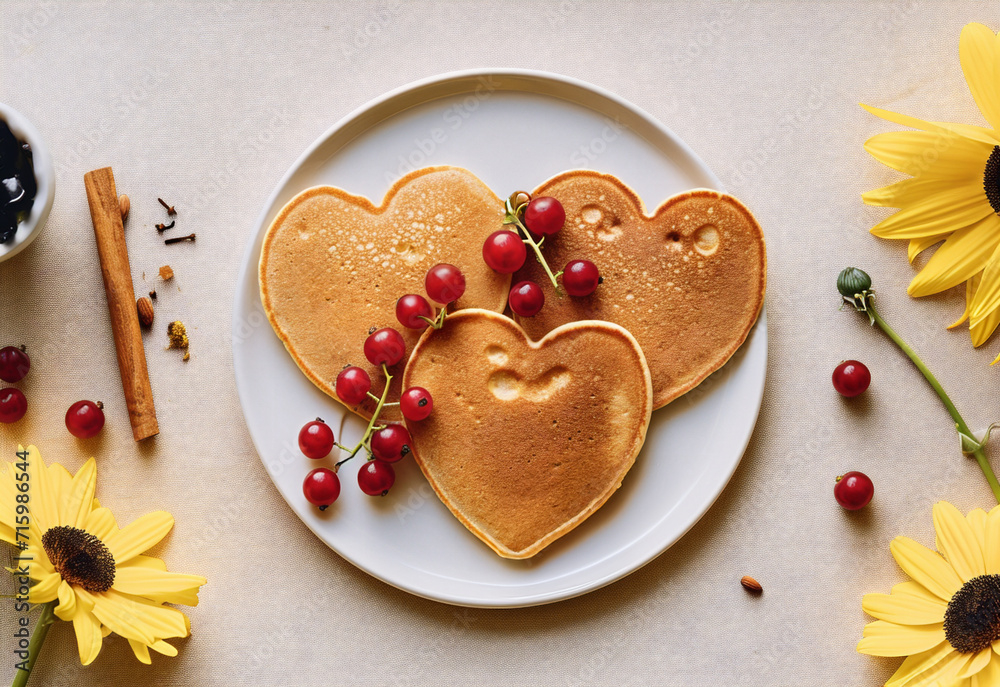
x: 385, y: 347
x: 544, y: 215
x: 13, y: 405
x: 853, y: 490
x: 409, y: 310
x: 316, y: 439
x: 376, y: 478
x: 391, y: 444
x: 851, y: 378
x: 85, y: 419
x: 444, y: 283
x: 526, y: 299
x: 321, y: 487
x: 416, y: 403
x: 353, y: 384
x: 504, y: 251
x: 580, y: 277
x: 14, y: 364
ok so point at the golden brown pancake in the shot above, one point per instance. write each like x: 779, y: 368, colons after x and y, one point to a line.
x: 687, y: 282
x: 333, y: 266
x: 527, y: 440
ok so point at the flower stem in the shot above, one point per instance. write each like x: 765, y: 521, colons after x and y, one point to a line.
x: 371, y: 423
x: 35, y: 645
x: 979, y: 454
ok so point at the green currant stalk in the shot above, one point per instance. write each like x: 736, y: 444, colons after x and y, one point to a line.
x: 45, y: 621
x: 513, y: 216
x: 372, y: 426
x: 855, y: 287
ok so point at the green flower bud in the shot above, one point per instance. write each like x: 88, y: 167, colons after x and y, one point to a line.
x: 853, y: 281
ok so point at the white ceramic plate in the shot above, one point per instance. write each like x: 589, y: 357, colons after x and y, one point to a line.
x: 513, y: 129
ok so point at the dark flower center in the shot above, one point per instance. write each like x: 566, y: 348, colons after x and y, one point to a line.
x: 991, y: 179
x: 80, y: 558
x: 972, y: 621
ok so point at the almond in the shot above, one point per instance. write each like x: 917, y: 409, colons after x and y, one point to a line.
x: 124, y: 205
x: 751, y: 584
x: 145, y: 308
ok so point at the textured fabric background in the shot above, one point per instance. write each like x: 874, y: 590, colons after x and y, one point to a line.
x: 208, y: 104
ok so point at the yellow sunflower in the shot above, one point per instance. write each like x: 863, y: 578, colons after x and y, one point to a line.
x: 75, y: 553
x: 946, y: 620
x: 953, y: 193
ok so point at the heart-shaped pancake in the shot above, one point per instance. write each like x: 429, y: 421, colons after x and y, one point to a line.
x: 687, y: 282
x: 333, y: 266
x: 527, y: 439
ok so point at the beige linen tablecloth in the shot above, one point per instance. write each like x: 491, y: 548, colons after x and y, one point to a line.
x: 206, y: 105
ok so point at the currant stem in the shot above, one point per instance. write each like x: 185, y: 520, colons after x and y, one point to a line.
x: 960, y: 425
x: 371, y: 423
x: 45, y: 621
x: 537, y: 247
x: 372, y: 396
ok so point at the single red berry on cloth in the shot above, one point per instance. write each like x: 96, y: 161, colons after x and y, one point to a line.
x: 416, y: 403
x: 353, y: 384
x: 85, y: 419
x: 504, y: 251
x: 410, y: 308
x: 444, y: 283
x: 13, y: 405
x: 385, y: 347
x: 376, y: 478
x: 526, y: 298
x: 391, y: 444
x: 14, y: 364
x: 853, y: 490
x: 580, y: 277
x: 544, y: 215
x: 316, y: 439
x: 851, y: 378
x: 321, y: 487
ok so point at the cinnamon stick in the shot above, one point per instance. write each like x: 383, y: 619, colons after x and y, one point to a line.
x: 105, y: 211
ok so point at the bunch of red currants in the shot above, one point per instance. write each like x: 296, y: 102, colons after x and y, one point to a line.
x: 505, y: 251
x: 389, y: 443
x: 853, y: 490
x: 84, y: 419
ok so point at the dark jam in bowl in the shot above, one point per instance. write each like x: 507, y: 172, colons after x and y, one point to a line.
x: 17, y: 182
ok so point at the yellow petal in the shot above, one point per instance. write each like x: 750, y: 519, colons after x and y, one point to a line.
x: 962, y: 256
x: 141, y: 651
x: 163, y: 648
x: 977, y: 521
x: 987, y: 297
x: 61, y: 481
x: 66, y: 608
x: 135, y: 618
x: 904, y: 609
x: 88, y: 635
x: 144, y: 562
x: 918, y: 246
x: 76, y: 504
x: 101, y: 523
x: 978, y: 662
x: 991, y: 545
x: 882, y: 638
x: 911, y: 191
x: 970, y: 292
x: 926, y: 154
x: 988, y: 676
x: 139, y: 536
x: 976, y: 133
x: 918, y: 221
x: 917, y: 663
x: 941, y: 674
x: 979, y: 52
x: 164, y: 587
x: 45, y: 590
x: 957, y: 541
x: 926, y: 567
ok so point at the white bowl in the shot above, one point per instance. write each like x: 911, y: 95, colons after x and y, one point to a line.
x: 44, y: 176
